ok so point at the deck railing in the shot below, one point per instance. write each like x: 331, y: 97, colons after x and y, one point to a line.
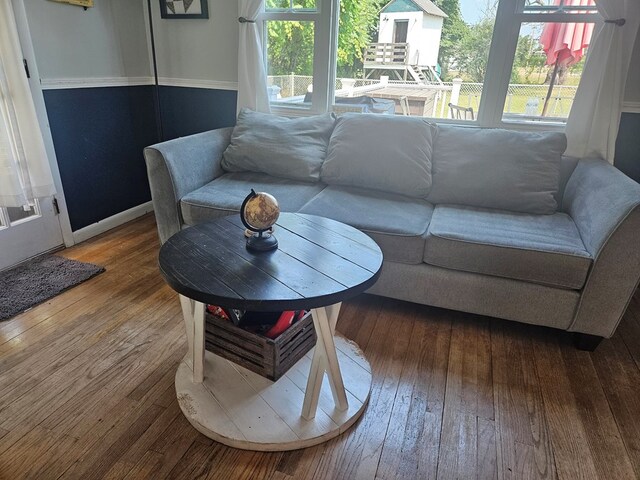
x: 386, y: 54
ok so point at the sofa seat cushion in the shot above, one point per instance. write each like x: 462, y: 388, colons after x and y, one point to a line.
x: 398, y: 224
x: 544, y: 249
x: 224, y: 195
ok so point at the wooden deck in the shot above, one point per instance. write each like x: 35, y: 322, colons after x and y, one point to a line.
x: 86, y: 391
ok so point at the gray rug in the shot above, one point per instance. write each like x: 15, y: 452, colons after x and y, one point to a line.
x: 38, y: 280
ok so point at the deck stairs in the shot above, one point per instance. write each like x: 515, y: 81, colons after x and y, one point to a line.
x: 418, y: 74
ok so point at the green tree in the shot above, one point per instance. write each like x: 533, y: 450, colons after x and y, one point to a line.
x: 358, y: 22
x: 454, y: 30
x: 290, y: 43
x: 472, y: 51
x: 290, y: 47
x: 529, y: 58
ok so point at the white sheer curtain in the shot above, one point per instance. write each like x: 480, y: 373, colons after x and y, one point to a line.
x: 592, y: 126
x: 252, y: 78
x: 25, y: 173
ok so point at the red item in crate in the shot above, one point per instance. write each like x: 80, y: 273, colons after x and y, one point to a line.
x: 284, y: 322
x: 217, y: 311
x: 230, y: 314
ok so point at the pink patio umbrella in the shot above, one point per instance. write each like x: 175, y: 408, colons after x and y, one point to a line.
x: 564, y: 43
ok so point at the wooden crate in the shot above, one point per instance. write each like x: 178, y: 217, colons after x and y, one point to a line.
x: 267, y: 357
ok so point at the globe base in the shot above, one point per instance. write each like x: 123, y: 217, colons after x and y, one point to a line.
x: 262, y: 242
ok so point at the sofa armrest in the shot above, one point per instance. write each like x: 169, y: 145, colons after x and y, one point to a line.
x: 605, y: 205
x: 178, y: 167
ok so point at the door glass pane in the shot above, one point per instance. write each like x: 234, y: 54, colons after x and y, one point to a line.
x: 546, y: 72
x: 396, y: 59
x: 17, y: 214
x: 290, y: 62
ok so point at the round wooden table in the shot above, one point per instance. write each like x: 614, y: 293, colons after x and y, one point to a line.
x: 318, y: 264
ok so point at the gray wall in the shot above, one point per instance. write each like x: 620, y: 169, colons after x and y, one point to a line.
x: 108, y: 40
x: 632, y: 92
x: 199, y: 49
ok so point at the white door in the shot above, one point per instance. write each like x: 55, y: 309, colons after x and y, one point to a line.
x: 25, y: 234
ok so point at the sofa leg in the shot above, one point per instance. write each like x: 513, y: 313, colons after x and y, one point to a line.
x: 587, y: 342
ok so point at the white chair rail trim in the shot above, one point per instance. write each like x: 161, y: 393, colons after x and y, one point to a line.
x: 94, y: 82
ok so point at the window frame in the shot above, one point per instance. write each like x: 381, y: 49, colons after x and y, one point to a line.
x: 510, y: 15
x: 325, y: 44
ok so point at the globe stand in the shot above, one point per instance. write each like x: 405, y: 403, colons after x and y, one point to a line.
x: 262, y: 242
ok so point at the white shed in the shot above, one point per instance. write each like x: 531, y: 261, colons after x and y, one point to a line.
x: 417, y: 23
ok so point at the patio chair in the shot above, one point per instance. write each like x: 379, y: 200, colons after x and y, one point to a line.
x: 461, y: 113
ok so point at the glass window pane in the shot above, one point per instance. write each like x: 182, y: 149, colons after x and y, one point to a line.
x: 396, y: 58
x: 546, y: 73
x: 555, y: 6
x: 290, y: 62
x: 304, y: 5
x: 290, y: 5
x: 277, y: 5
x: 18, y: 213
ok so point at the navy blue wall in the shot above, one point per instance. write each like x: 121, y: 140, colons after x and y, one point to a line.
x: 628, y: 145
x: 99, y: 135
x: 186, y: 111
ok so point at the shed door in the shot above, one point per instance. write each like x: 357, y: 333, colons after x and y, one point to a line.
x: 400, y: 29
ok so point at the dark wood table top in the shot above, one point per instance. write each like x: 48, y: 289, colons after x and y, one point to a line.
x: 318, y: 262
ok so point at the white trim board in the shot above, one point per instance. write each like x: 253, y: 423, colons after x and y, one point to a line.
x: 111, y: 222
x: 95, y: 82
x: 192, y: 83
x: 631, y: 107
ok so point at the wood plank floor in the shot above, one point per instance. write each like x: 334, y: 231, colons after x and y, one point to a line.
x: 86, y: 390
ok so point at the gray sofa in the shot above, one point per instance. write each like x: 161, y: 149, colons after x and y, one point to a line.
x: 575, y: 268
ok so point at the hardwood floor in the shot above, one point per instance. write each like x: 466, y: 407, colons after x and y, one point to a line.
x: 86, y: 390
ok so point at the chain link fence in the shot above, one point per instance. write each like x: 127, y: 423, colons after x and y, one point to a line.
x: 522, y: 99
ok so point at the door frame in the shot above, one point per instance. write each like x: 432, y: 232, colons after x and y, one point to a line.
x: 28, y: 52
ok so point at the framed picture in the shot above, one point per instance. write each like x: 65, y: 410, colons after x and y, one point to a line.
x: 184, y: 9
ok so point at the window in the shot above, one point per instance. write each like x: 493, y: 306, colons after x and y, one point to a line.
x: 297, y: 51
x: 541, y: 85
x: 411, y: 57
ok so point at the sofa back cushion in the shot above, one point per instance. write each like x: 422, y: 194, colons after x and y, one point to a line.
x: 384, y: 152
x: 283, y: 147
x: 493, y: 168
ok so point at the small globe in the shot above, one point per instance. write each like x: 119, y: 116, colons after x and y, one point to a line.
x: 261, y: 211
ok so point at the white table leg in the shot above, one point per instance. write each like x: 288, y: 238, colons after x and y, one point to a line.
x: 325, y: 358
x: 193, y: 314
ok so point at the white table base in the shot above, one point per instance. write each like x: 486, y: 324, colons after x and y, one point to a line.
x: 242, y: 409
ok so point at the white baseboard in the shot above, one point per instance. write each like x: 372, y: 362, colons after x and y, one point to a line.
x: 111, y: 222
